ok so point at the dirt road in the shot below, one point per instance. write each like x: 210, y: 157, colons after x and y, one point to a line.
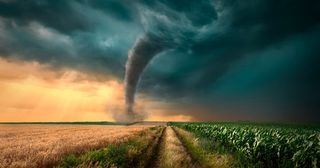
x: 172, y: 153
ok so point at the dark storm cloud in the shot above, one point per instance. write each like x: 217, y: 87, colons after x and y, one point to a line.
x: 65, y: 16
x: 254, y: 56
x: 75, y: 34
x: 283, y: 33
x: 264, y: 23
x: 59, y: 14
x: 119, y: 9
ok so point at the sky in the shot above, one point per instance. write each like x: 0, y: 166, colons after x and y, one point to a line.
x: 205, y: 60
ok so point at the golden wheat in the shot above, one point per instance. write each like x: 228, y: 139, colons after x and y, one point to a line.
x: 45, y: 145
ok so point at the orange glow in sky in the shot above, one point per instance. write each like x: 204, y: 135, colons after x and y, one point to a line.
x: 30, y: 91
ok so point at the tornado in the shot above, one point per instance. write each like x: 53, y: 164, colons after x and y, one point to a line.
x: 144, y: 49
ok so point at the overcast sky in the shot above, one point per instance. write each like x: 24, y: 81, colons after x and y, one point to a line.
x: 231, y: 57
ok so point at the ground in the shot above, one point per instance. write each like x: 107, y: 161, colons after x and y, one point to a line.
x: 45, y: 145
x: 141, y: 144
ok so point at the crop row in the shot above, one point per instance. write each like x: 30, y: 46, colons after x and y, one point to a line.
x: 263, y: 146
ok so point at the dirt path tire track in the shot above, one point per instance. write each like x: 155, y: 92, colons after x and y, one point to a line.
x: 172, y: 152
x: 154, y: 157
x: 147, y: 153
x: 196, y: 162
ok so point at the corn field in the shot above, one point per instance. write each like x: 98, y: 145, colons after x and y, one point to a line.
x: 263, y: 145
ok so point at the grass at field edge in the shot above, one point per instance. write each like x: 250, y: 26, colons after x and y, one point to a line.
x: 136, y: 152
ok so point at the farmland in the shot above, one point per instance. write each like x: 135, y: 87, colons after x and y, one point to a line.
x: 157, y: 145
x: 44, y: 145
x: 258, y: 145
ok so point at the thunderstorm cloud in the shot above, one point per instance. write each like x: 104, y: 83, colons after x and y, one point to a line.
x: 234, y: 57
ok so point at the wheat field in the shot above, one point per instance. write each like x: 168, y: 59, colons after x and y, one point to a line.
x: 45, y: 145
